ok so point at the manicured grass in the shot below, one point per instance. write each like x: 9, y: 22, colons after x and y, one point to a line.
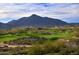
x: 9, y: 37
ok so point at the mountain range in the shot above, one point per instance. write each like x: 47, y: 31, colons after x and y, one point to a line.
x: 33, y: 21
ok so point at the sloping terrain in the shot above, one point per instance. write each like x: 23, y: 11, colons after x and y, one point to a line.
x: 33, y: 21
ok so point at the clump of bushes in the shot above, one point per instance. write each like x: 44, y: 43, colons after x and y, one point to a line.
x: 26, y: 41
x: 53, y: 38
x: 57, y: 47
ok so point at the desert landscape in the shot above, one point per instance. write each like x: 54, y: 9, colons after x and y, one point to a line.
x: 37, y: 34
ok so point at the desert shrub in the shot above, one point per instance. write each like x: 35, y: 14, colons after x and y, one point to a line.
x: 46, y: 48
x: 76, y: 34
x: 53, y: 38
x: 14, y: 51
x: 69, y: 51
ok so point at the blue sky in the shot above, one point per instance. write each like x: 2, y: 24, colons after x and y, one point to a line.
x: 68, y: 12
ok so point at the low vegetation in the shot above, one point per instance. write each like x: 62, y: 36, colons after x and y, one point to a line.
x: 41, y: 41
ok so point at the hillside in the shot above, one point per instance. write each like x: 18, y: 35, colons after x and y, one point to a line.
x: 37, y: 21
x: 33, y: 21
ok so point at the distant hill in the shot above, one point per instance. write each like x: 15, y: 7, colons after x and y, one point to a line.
x: 36, y: 21
x: 4, y: 26
x: 74, y: 24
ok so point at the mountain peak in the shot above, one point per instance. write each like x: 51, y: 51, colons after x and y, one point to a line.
x: 34, y: 15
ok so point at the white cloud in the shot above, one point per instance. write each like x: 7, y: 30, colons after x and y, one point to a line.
x: 56, y: 10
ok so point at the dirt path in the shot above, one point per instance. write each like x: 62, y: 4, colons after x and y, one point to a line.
x: 13, y: 46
